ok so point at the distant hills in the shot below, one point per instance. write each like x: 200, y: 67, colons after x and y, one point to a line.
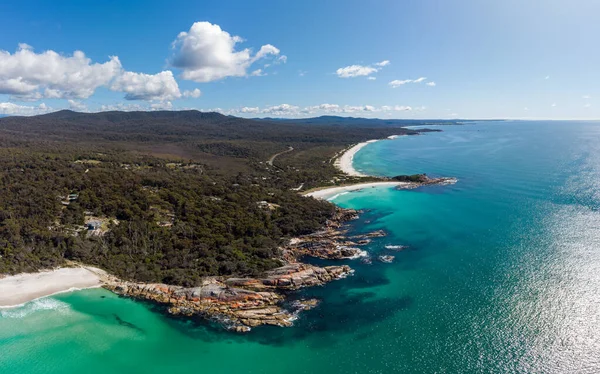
x: 194, y: 135
x: 118, y: 116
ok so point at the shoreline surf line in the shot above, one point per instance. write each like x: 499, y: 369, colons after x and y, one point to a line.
x: 327, y: 192
x: 17, y: 290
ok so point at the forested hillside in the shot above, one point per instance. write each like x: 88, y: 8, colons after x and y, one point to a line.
x: 161, y: 196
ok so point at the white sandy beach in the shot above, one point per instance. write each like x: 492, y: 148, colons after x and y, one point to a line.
x: 344, y: 162
x: 18, y: 289
x: 327, y: 193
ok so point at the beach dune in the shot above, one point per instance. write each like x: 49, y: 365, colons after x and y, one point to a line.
x: 18, y: 289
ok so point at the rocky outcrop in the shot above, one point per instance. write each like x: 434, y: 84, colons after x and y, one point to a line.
x: 292, y: 277
x: 237, y: 303
x: 418, y: 180
x: 242, y: 303
x: 331, y: 243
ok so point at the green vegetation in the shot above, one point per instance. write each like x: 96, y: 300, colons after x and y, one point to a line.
x: 416, y: 178
x: 176, y: 195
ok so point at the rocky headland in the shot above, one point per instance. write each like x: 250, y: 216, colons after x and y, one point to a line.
x: 237, y: 303
x: 418, y: 180
x: 242, y: 303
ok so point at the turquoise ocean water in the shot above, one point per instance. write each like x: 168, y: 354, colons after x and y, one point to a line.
x: 502, y: 275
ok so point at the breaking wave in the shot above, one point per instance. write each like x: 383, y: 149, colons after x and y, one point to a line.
x: 32, y: 307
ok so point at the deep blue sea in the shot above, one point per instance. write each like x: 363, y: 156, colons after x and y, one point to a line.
x: 501, y: 275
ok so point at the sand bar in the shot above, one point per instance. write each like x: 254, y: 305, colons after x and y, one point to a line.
x: 18, y: 289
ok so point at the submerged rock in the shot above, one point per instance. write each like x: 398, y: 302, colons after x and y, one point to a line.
x: 304, y: 304
x: 387, y: 259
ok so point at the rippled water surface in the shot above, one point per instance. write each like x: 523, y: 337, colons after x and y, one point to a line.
x: 501, y: 274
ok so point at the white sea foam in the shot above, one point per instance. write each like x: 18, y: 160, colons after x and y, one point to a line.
x: 395, y: 246
x: 337, y: 195
x: 359, y: 255
x: 34, y: 306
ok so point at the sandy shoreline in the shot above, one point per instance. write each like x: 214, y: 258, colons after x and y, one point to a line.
x: 18, y: 289
x: 344, y: 162
x: 328, y: 193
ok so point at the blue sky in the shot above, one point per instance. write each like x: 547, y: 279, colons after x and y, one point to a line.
x: 389, y: 59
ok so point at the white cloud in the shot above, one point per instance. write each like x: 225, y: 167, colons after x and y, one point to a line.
x: 12, y: 109
x: 586, y: 97
x: 302, y: 73
x: 371, y: 78
x: 207, y: 53
x: 289, y: 110
x: 329, y: 107
x: 163, y: 105
x: 130, y: 107
x: 140, y: 86
x: 17, y: 86
x: 553, y: 105
x: 398, y: 108
x: 547, y: 77
x: 122, y: 107
x: 354, y: 71
x: 358, y: 108
x: 31, y: 76
x: 587, y: 105
x: 195, y: 93
x: 398, y: 83
x: 217, y: 110
x: 281, y: 109
x: 258, y: 73
x: 250, y: 109
x: 77, y: 106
